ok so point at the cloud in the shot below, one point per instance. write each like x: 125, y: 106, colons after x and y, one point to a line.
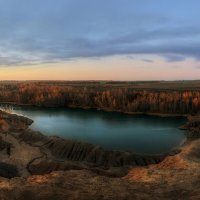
x: 174, y: 57
x: 147, y: 60
x: 34, y: 31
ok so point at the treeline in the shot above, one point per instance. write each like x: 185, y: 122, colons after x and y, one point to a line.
x: 124, y: 99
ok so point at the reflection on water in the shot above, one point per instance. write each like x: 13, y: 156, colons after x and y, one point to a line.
x: 114, y: 131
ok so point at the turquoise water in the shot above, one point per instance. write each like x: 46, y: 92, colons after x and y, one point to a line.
x: 113, y: 131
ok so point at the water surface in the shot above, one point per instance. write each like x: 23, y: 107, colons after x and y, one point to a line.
x: 113, y: 131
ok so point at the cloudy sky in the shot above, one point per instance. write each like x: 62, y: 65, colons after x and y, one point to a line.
x: 100, y: 39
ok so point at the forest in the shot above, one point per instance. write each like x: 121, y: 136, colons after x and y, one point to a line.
x: 147, y: 97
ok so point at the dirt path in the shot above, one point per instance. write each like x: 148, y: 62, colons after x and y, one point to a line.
x: 21, y: 154
x: 43, y: 155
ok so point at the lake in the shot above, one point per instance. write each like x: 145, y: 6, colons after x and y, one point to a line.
x: 113, y: 131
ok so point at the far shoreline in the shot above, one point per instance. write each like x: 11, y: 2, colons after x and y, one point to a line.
x: 96, y: 109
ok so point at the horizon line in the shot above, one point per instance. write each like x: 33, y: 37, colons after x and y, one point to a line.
x: 90, y: 80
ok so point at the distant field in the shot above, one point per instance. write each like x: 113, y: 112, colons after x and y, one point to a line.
x: 160, y: 85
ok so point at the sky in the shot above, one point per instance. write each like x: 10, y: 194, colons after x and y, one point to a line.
x: 99, y: 39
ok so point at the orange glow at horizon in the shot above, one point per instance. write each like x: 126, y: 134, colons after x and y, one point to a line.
x: 112, y: 68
